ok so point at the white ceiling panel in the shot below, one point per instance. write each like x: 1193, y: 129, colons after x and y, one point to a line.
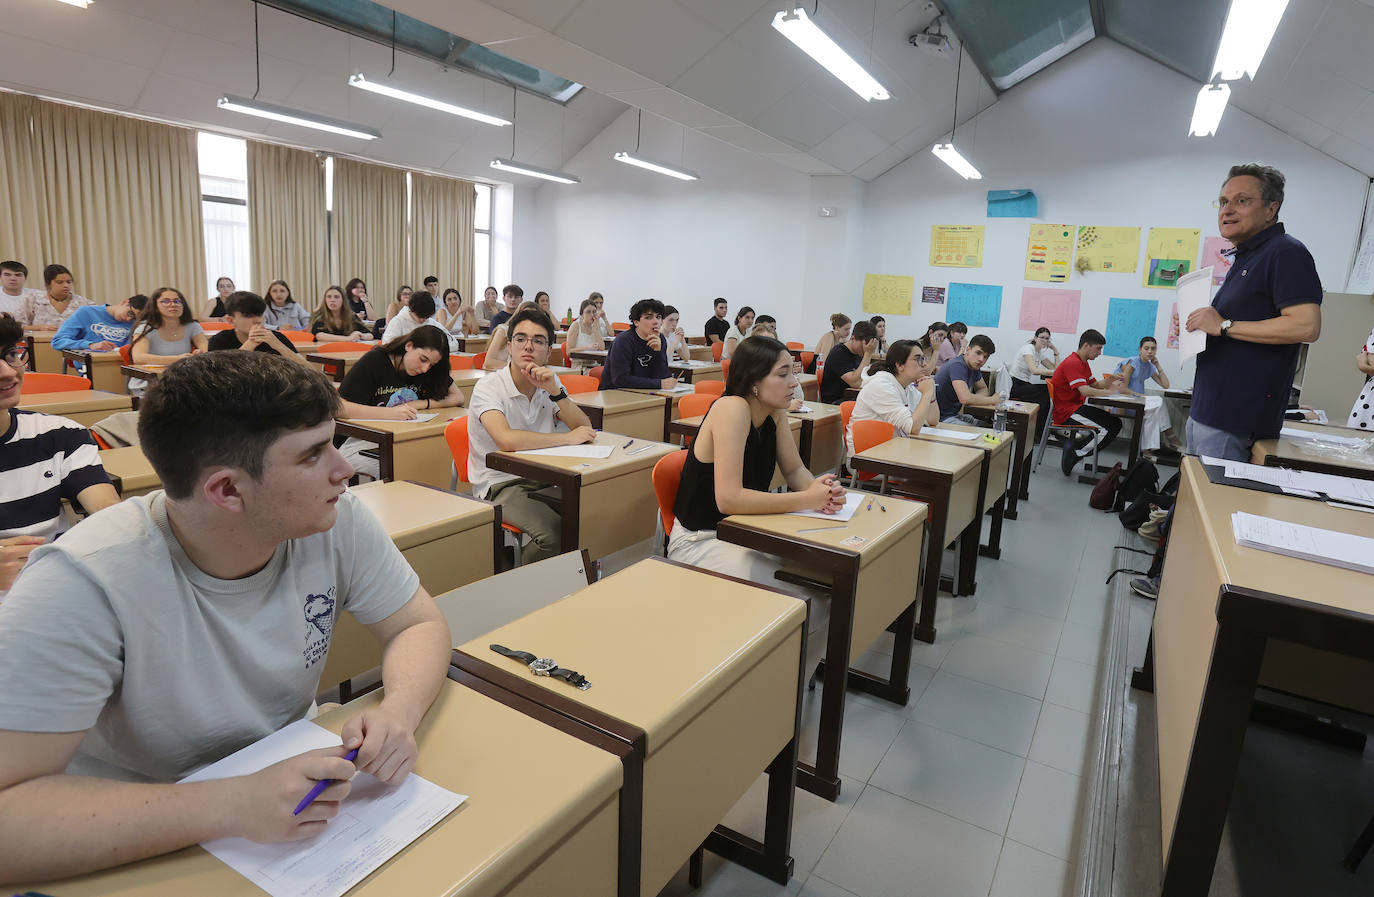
x: 547, y: 14
x: 850, y: 147
x: 479, y: 21
x: 750, y: 139
x: 26, y: 64
x: 731, y: 79
x: 1344, y: 36
x: 1324, y: 96
x: 726, y: 15
x: 554, y: 54
x: 880, y: 163
x: 1359, y: 126
x: 656, y: 38
x: 1357, y: 155
x: 100, y: 32
x: 801, y: 119
x: 1290, y: 121
x: 804, y: 163
x: 669, y: 103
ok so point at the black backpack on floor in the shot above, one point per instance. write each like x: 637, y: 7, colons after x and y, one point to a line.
x: 1140, y: 477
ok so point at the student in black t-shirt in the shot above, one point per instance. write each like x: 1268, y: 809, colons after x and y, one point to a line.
x: 716, y: 325
x: 845, y: 364
x: 246, y: 311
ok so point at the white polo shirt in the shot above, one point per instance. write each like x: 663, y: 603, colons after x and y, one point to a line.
x: 497, y: 392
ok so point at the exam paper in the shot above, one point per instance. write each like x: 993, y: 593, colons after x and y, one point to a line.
x: 1194, y: 291
x: 852, y: 500
x: 952, y: 434
x: 1308, y: 543
x: 1305, y: 482
x: 572, y: 451
x: 376, y: 822
x: 419, y: 419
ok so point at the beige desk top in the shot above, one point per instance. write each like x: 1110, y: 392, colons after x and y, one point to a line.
x: 528, y: 786
x: 467, y: 378
x: 926, y: 454
x: 613, y: 632
x: 74, y: 400
x: 807, y: 380
x: 880, y: 521
x: 594, y: 470
x: 403, y: 430
x: 41, y: 336
x: 712, y: 368
x: 819, y: 412
x: 348, y: 357
x: 1295, y: 449
x: 1003, y: 444
x: 794, y: 422
x: 617, y: 400
x: 412, y: 514
x: 131, y: 466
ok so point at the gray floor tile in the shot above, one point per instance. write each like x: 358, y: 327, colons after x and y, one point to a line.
x: 1073, y: 684
x: 1083, y: 641
x: 1047, y: 809
x: 1012, y: 623
x: 1061, y: 738
x: 984, y: 713
x: 1001, y: 664
x: 819, y: 887
x: 814, y: 820
x: 1025, y: 872
x: 867, y: 734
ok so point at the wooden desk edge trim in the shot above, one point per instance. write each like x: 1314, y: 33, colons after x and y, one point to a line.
x: 498, y: 540
x: 836, y: 559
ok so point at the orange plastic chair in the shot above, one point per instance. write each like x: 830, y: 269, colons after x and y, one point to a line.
x: 725, y: 368
x: 666, y: 477
x: 126, y: 355
x: 793, y: 344
x: 298, y: 336
x: 709, y: 387
x: 331, y: 348
x: 619, y: 326
x: 35, y: 383
x: 479, y: 361
x: 458, y: 362
x: 576, y: 383
x: 595, y: 374
x: 567, y: 362
x: 806, y: 359
x: 215, y: 325
x: 846, y: 412
x: 456, y: 435
x: 868, y: 433
x: 697, y: 403
x: 99, y: 443
x: 716, y: 350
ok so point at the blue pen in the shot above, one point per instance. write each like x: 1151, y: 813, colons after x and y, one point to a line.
x: 320, y: 786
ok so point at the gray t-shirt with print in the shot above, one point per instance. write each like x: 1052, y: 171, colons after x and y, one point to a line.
x: 113, y: 631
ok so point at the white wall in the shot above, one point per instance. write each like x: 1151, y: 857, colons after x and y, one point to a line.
x: 1100, y: 137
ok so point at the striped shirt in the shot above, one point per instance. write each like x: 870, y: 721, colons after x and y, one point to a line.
x: 43, y: 459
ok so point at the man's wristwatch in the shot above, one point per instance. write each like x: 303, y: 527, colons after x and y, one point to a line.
x: 562, y: 394
x: 545, y: 666
x: 1226, y: 327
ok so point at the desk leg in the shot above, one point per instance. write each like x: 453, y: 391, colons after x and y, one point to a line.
x: 572, y: 513
x: 994, y: 547
x: 386, y: 461
x: 1137, y: 422
x: 968, y: 556
x: 823, y: 779
x: 1143, y: 676
x: 808, y: 435
x: 894, y: 688
x: 930, y: 588
x: 1018, y: 461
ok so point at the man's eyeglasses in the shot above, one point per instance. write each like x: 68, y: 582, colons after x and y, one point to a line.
x: 1239, y: 203
x: 539, y: 342
x: 17, y: 357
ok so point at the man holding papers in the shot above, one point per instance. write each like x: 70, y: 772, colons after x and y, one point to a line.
x: 173, y: 629
x: 514, y: 409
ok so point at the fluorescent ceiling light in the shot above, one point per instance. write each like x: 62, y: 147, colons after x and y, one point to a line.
x: 795, y: 26
x: 396, y: 93
x: 1211, y: 103
x: 671, y: 171
x: 84, y: 4
x: 296, y: 117
x: 1250, y: 26
x: 951, y: 157
x: 534, y: 171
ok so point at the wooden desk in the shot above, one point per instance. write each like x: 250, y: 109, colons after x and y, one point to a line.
x: 130, y: 471
x: 606, y: 504
x: 822, y: 437
x: 992, y: 482
x: 408, y: 450
x: 1229, y: 620
x: 811, y: 387
x: 145, y: 372
x: 694, y: 373
x: 701, y: 675
x: 542, y: 811
x: 46, y: 359
x: 86, y: 406
x: 101, y: 368
x: 591, y: 356
x: 449, y: 540
x: 1021, y: 420
x: 700, y: 353
x: 335, y: 364
x: 1134, y: 411
x: 637, y: 413
x: 473, y: 343
x: 1293, y: 453
x: 947, y: 478
x: 871, y: 585
x: 466, y: 381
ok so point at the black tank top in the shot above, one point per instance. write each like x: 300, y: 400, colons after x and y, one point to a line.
x: 695, y: 507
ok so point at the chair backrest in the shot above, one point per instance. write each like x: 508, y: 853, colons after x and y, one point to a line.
x: 709, y: 387
x: 595, y: 374
x: 620, y: 326
x: 456, y: 435
x: 725, y: 368
x: 457, y: 362
x: 716, y: 350
x: 868, y: 433
x: 479, y: 361
x: 331, y: 348
x: 695, y: 404
x: 298, y: 336
x: 126, y: 355
x: 793, y: 344
x: 34, y: 383
x: 563, y: 347
x: 576, y: 383
x: 666, y: 476
x: 100, y: 442
x: 846, y: 412
x: 215, y: 325
x: 806, y: 359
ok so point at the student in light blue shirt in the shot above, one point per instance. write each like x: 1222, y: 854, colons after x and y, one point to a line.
x: 1137, y: 371
x: 97, y: 328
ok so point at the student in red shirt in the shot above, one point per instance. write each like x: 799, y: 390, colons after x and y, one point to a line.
x: 1073, y: 382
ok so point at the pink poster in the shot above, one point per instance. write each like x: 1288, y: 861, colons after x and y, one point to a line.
x: 1048, y: 307
x: 1211, y: 255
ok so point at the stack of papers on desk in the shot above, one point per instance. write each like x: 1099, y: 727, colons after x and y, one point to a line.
x: 1304, y: 482
x: 419, y: 419
x: 694, y: 363
x: 852, y: 500
x: 573, y: 451
x: 952, y: 434
x: 1330, y: 438
x: 1307, y: 543
x: 681, y: 387
x: 375, y: 823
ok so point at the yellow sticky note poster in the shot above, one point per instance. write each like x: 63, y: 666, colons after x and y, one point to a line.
x: 1049, y: 252
x: 956, y: 245
x: 1110, y: 249
x: 888, y: 294
x: 1170, y: 253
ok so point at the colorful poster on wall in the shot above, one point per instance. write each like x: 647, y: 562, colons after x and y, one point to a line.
x: 1212, y: 249
x: 1049, y: 252
x: 1170, y: 253
x: 888, y: 294
x: 1046, y: 307
x: 1128, y: 320
x: 935, y: 295
x: 956, y: 245
x: 1114, y: 250
x: 976, y: 304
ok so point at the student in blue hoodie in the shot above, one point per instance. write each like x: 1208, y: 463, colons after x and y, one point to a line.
x: 97, y: 328
x: 637, y: 359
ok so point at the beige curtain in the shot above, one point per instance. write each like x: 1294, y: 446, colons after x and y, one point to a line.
x: 286, y: 221
x: 369, y: 228
x: 115, y: 199
x: 441, y: 213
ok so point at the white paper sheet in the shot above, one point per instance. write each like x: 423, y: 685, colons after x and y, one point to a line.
x: 573, y: 451
x: 1331, y: 438
x: 952, y: 434
x: 1308, y: 543
x: 805, y: 409
x: 419, y: 419
x: 1305, y: 482
x: 376, y: 822
x: 1194, y: 291
x: 852, y: 500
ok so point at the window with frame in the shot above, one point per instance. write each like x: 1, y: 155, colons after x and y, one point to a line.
x: 223, y: 163
x: 481, y: 240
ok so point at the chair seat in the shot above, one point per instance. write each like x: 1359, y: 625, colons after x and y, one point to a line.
x: 512, y: 528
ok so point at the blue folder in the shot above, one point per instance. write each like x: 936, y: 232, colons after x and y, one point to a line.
x: 1012, y: 204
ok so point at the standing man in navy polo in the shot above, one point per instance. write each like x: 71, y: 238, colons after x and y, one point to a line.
x: 1269, y: 305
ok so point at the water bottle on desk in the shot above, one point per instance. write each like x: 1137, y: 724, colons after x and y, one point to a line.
x: 999, y: 418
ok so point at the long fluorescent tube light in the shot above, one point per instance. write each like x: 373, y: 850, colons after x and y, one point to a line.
x: 799, y: 29
x: 1250, y: 26
x: 1211, y: 103
x: 534, y: 171
x: 396, y: 93
x: 296, y: 117
x: 681, y: 174
x: 84, y: 4
x: 951, y: 157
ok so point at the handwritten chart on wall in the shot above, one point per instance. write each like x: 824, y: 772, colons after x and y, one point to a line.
x: 1127, y: 321
x: 888, y: 294
x: 956, y: 245
x: 1212, y: 247
x: 976, y: 304
x: 1049, y: 252
x: 1047, y: 307
x: 1170, y: 253
x: 1110, y: 249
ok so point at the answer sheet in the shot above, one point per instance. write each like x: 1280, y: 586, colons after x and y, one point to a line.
x: 1194, y: 291
x: 852, y: 500
x: 376, y: 822
x: 1308, y: 543
x: 573, y: 451
x: 419, y: 419
x: 952, y: 434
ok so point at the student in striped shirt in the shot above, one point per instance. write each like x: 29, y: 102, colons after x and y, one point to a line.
x: 43, y: 459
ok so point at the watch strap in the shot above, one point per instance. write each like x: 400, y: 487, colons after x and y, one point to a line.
x: 562, y: 394
x: 572, y: 677
x: 526, y: 656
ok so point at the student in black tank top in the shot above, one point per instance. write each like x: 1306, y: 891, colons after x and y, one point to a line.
x: 743, y: 439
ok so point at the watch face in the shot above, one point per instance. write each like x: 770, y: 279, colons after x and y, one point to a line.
x: 543, y: 665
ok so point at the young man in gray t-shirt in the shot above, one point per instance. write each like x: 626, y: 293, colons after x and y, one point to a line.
x: 168, y: 631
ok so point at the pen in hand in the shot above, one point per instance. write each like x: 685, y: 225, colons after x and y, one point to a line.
x: 320, y: 786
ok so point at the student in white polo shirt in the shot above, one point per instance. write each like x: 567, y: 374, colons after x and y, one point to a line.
x: 517, y: 408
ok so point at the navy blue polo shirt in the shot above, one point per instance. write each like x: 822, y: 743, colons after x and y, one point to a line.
x: 1242, y: 387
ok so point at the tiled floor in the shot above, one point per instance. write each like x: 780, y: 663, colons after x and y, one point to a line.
x: 973, y: 788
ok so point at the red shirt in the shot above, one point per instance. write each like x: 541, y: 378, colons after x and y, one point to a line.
x: 1071, y: 373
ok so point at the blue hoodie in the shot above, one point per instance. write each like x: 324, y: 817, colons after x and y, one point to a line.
x: 91, y: 324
